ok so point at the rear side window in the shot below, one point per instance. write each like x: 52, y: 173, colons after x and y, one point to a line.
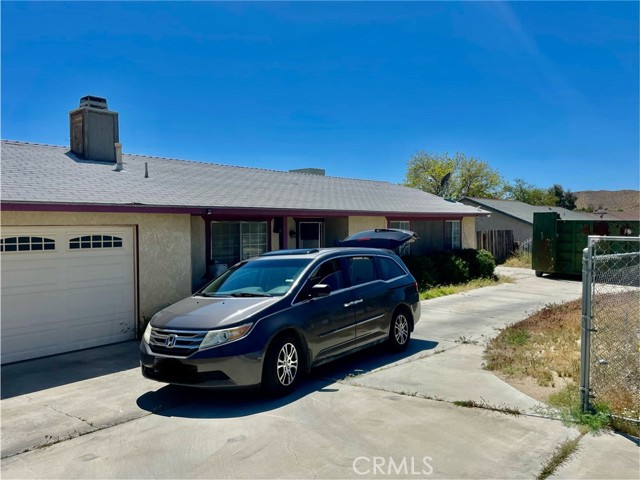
x: 361, y: 270
x: 389, y: 268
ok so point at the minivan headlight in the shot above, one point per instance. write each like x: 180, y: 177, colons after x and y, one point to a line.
x: 218, y: 337
x: 147, y: 333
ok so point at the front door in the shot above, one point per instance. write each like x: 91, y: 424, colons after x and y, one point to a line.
x: 310, y: 235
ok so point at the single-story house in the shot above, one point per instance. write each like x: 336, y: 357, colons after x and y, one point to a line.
x: 94, y: 242
x: 511, y: 216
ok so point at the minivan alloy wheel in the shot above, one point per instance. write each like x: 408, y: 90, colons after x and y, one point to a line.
x: 287, y: 364
x: 284, y: 365
x: 401, y: 329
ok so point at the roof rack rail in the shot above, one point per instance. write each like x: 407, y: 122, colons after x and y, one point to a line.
x: 296, y: 251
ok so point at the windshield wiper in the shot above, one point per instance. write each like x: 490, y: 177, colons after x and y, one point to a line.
x: 249, y: 294
x: 205, y: 294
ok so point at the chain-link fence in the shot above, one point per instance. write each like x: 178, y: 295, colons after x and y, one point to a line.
x: 610, y: 364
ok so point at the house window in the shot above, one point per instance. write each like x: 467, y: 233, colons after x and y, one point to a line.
x: 95, y: 241
x: 235, y: 241
x: 405, y: 249
x: 452, y: 235
x: 26, y: 244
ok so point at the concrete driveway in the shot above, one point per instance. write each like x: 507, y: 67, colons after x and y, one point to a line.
x: 90, y: 414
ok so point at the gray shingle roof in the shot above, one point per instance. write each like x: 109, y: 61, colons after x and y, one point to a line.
x: 35, y: 173
x: 523, y: 211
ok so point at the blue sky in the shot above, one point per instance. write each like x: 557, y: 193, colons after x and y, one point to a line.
x: 545, y: 91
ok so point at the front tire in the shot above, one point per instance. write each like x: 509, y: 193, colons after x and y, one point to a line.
x: 283, y: 366
x: 400, y: 331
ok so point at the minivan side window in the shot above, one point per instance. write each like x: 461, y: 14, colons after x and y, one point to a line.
x: 361, y: 270
x: 389, y: 268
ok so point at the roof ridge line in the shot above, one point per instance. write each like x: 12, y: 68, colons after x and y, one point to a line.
x: 202, y: 162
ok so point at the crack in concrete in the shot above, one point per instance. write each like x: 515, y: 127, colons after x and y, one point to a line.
x: 296, y: 458
x: 56, y: 439
x: 71, y: 416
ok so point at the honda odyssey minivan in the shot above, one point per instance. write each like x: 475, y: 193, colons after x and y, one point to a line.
x: 270, y: 319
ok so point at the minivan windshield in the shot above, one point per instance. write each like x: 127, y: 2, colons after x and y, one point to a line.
x: 260, y: 278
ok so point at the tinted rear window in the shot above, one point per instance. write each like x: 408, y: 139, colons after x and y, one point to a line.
x: 389, y: 268
x: 361, y: 270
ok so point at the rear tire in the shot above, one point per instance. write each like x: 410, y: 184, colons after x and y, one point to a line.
x: 283, y: 366
x: 539, y: 273
x: 399, y: 331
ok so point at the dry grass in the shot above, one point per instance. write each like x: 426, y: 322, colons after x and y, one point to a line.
x: 544, y: 346
x: 518, y: 260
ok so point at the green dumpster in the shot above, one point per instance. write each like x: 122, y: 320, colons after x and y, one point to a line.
x: 558, y: 244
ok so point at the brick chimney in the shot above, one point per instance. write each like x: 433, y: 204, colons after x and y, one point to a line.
x: 94, y: 130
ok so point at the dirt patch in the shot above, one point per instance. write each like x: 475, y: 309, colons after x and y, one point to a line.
x: 530, y: 386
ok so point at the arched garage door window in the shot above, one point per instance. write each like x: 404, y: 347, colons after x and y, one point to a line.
x: 95, y: 241
x: 26, y: 244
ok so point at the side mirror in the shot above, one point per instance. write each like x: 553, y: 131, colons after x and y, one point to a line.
x: 319, y: 290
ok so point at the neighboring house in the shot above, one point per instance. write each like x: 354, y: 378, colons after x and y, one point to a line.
x: 513, y: 216
x: 95, y: 242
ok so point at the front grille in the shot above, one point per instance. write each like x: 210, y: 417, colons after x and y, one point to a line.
x: 175, y: 343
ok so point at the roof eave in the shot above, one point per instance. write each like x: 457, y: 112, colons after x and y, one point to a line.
x: 217, y: 210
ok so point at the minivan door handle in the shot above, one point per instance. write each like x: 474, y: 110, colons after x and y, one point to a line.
x: 355, y: 302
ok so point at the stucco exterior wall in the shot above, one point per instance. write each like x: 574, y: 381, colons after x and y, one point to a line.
x: 164, y: 250
x: 291, y: 226
x: 336, y: 229
x: 358, y: 224
x: 468, y: 232
x: 198, y: 252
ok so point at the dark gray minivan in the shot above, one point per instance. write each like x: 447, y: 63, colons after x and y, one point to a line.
x: 268, y: 320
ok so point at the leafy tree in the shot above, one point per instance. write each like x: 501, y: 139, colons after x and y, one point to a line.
x: 452, y: 177
x: 477, y: 179
x: 527, y: 193
x: 565, y: 199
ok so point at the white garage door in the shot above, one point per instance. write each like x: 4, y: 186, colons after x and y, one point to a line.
x: 65, y: 288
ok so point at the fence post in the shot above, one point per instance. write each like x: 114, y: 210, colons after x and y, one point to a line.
x: 585, y: 341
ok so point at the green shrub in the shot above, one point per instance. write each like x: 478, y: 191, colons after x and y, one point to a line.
x: 485, y: 264
x: 450, y: 268
x: 481, y: 262
x: 422, y: 269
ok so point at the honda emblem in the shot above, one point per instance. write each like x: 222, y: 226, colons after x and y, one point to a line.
x: 170, y: 341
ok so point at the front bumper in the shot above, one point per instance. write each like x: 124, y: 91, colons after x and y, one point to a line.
x: 233, y: 371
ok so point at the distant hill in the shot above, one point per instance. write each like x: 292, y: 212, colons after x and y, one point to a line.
x: 614, y: 201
